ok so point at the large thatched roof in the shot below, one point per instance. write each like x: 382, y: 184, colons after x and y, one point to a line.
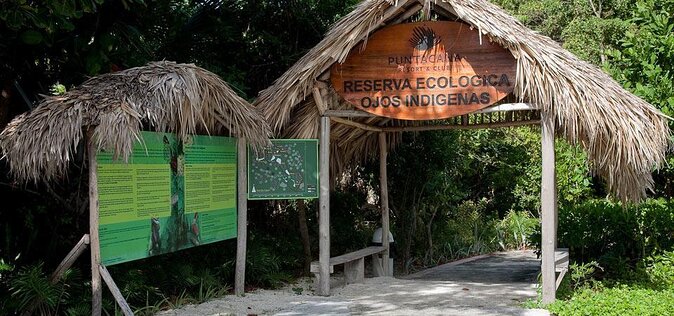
x: 161, y: 96
x: 625, y: 137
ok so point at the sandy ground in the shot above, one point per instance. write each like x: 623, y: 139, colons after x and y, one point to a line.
x: 491, y: 285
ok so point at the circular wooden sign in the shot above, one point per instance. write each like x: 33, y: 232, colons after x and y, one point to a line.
x: 425, y: 71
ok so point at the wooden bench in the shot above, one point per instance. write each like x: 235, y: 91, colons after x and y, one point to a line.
x: 354, y: 264
x: 561, y: 263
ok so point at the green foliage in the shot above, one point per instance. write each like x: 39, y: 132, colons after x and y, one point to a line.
x: 616, y: 236
x: 585, y: 27
x: 582, y: 274
x: 266, y: 266
x: 660, y: 270
x: 31, y: 289
x: 515, y: 229
x: 469, y: 232
x: 619, y: 300
x: 643, y: 62
x: 652, y: 293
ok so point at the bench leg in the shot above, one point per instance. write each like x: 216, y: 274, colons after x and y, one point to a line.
x: 317, y: 283
x: 377, y: 268
x: 354, y: 271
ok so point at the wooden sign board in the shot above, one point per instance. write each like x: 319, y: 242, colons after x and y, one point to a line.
x: 425, y: 71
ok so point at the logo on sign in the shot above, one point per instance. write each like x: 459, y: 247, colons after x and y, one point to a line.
x: 424, y: 38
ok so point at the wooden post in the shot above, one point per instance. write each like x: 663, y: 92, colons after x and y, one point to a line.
x: 383, y: 183
x: 126, y: 309
x: 548, y: 208
x: 324, y: 210
x: 242, y: 219
x: 96, y: 290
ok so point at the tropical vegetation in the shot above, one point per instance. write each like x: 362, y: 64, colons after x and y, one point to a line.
x: 472, y: 192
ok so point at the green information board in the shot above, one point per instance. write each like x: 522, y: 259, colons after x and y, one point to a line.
x: 170, y: 196
x: 286, y: 170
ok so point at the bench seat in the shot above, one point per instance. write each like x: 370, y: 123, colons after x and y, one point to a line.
x: 354, y: 264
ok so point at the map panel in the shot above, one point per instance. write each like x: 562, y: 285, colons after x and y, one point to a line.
x: 286, y: 170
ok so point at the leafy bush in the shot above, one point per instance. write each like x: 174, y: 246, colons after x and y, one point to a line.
x: 469, y: 231
x: 660, y: 270
x: 515, y: 230
x: 617, y: 237
x: 266, y: 264
x: 580, y: 276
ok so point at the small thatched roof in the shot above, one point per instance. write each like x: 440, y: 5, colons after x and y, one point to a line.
x: 625, y: 137
x: 161, y: 96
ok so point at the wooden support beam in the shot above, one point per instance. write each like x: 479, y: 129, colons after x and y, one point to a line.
x: 126, y: 309
x: 96, y: 289
x: 548, y: 201
x: 70, y: 258
x: 357, y: 124
x: 446, y: 127
x: 446, y: 7
x: 347, y: 113
x: 242, y: 217
x: 383, y: 184
x: 372, y: 128
x: 444, y: 12
x: 410, y: 11
x: 324, y: 209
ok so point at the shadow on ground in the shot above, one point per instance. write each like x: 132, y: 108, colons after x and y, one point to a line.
x: 494, y: 285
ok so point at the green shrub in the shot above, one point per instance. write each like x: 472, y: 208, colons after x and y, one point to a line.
x: 468, y: 232
x: 660, y: 270
x: 514, y: 231
x: 580, y: 276
x: 617, y: 237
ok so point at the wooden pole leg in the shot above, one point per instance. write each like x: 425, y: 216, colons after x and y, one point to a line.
x: 96, y: 289
x: 383, y: 180
x: 242, y: 219
x: 548, y: 207
x: 324, y: 209
x: 377, y: 268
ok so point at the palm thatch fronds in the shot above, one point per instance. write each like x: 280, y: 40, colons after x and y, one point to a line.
x: 625, y: 137
x: 161, y: 96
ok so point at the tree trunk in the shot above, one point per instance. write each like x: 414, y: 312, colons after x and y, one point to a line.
x: 409, y: 235
x: 429, y: 231
x: 304, y: 234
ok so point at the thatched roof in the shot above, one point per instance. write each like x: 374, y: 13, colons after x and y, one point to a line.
x: 625, y: 137
x: 161, y: 96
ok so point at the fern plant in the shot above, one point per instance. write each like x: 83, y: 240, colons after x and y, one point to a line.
x: 31, y: 290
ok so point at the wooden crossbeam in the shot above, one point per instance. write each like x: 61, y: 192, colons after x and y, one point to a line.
x: 70, y: 258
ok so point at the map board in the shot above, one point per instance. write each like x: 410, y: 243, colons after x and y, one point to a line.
x: 169, y: 196
x: 286, y: 170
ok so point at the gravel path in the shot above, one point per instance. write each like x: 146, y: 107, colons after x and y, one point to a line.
x: 488, y: 285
